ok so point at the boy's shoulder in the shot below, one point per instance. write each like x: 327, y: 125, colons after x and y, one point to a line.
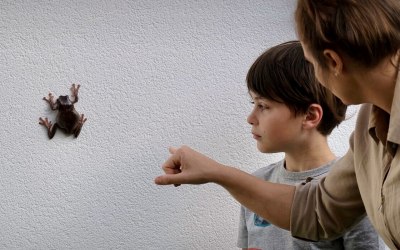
x: 276, y: 172
x: 268, y: 170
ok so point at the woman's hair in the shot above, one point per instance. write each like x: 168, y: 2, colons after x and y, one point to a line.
x: 282, y: 74
x: 367, y: 31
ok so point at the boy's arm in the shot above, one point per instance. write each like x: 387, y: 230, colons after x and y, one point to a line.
x: 269, y: 200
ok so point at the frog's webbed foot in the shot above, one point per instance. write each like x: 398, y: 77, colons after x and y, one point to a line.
x: 51, y: 129
x: 45, y: 122
x: 74, y: 90
x: 81, y: 121
x: 51, y: 102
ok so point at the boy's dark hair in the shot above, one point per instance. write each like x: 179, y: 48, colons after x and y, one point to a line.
x: 283, y: 75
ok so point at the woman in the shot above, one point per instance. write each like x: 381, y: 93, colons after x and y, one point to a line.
x: 355, y: 49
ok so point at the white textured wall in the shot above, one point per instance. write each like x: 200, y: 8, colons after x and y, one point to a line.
x: 153, y: 74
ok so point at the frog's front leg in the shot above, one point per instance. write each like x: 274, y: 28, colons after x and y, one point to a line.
x: 51, y: 129
x: 51, y: 102
x: 74, y: 90
x: 81, y: 121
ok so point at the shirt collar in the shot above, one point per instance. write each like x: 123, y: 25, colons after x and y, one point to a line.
x: 394, y: 124
x: 377, y: 115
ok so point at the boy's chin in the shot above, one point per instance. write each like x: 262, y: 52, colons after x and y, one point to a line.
x: 267, y: 149
x: 264, y: 149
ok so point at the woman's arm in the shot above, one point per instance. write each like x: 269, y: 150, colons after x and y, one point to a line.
x: 271, y: 201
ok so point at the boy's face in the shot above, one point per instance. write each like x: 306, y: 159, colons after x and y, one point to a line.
x: 274, y: 126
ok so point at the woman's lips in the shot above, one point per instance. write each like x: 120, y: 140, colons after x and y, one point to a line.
x: 255, y: 136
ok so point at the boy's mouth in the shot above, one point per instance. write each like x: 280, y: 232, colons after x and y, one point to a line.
x: 255, y: 136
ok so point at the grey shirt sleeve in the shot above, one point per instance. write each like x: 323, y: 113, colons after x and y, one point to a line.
x: 242, y: 241
x: 363, y: 236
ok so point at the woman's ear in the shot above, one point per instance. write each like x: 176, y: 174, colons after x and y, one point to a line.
x: 334, y: 62
x: 313, y: 116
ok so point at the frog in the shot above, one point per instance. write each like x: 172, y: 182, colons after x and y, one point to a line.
x: 68, y: 119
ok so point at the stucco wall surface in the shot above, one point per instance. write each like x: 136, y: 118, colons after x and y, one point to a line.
x: 153, y: 74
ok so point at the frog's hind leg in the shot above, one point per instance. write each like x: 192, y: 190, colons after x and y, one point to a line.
x: 82, y: 120
x: 51, y: 129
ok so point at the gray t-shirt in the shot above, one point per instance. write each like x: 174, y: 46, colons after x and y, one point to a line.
x: 257, y: 233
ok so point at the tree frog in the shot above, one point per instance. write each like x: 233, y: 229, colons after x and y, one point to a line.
x: 68, y: 119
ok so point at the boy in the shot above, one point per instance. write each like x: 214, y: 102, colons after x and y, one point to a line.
x: 293, y: 114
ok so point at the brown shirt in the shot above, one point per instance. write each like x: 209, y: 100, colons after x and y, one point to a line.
x: 366, y: 179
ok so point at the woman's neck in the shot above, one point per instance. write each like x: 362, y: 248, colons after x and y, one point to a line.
x: 381, y: 82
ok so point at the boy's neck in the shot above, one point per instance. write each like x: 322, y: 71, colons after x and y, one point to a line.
x: 309, y: 157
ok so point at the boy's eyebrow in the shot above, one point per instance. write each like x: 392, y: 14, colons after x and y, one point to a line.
x: 258, y: 98
x: 253, y: 95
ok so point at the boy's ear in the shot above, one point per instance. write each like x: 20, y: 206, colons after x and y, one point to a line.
x: 334, y: 61
x: 313, y: 116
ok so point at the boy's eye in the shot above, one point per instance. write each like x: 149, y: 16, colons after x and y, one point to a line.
x: 262, y: 106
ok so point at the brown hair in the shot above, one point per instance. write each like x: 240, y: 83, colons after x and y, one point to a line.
x: 282, y: 74
x: 365, y: 30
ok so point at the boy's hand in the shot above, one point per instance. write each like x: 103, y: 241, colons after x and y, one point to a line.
x: 186, y: 166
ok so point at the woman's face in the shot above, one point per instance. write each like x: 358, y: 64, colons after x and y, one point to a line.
x: 340, y: 85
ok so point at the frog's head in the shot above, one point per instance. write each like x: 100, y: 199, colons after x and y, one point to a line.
x: 64, y: 103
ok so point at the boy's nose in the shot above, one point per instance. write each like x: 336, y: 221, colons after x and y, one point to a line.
x: 250, y: 119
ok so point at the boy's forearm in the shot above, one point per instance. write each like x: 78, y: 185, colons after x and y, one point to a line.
x: 271, y: 201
